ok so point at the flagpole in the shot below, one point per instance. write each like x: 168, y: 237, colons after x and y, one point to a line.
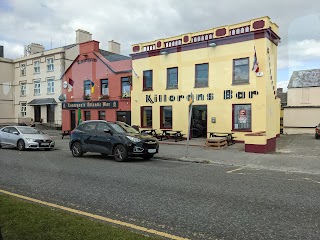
x: 189, y: 124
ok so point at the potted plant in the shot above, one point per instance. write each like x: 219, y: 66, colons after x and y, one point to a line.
x: 86, y: 97
x: 104, y: 96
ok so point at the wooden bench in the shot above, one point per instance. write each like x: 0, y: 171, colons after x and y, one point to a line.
x: 167, y: 134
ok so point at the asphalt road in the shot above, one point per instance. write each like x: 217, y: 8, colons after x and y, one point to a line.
x: 196, y: 201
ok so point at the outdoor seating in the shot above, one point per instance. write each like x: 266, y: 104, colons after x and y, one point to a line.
x: 229, y: 136
x: 150, y: 131
x: 167, y: 134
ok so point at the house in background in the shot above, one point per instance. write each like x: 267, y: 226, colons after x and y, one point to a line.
x: 302, y: 112
x: 6, y: 89
x: 283, y: 98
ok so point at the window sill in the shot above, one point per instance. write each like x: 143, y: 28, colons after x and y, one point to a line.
x: 50, y: 93
x: 50, y: 70
x: 172, y: 88
x: 235, y: 84
x: 36, y: 73
x: 147, y: 90
x: 23, y: 95
x: 201, y: 86
x: 239, y: 130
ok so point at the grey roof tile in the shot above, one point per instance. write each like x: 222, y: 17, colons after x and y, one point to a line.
x: 305, y: 78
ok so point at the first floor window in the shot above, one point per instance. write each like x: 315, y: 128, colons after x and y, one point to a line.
x: 147, y: 80
x: 125, y: 87
x: 50, y: 88
x: 23, y: 69
x: 202, y: 73
x: 87, y: 115
x: 172, y: 78
x: 240, y: 71
x: 50, y: 66
x: 104, y: 87
x: 23, y: 89
x: 166, y: 117
x: 241, y: 117
x: 102, y: 115
x: 36, y: 66
x: 36, y: 85
x: 87, y: 88
x: 146, y: 117
x: 23, y: 109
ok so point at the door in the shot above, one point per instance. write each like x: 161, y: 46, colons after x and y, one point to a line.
x: 88, y: 135
x: 4, y: 135
x: 13, y: 136
x: 37, y: 113
x: 103, y: 140
x: 124, y: 116
x: 199, y: 121
x: 50, y: 113
x: 72, y: 119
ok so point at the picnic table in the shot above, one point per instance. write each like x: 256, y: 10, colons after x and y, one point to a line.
x: 229, y: 136
x: 150, y: 131
x: 168, y: 133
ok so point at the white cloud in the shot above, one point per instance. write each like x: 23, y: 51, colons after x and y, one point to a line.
x: 12, y: 50
x: 284, y: 85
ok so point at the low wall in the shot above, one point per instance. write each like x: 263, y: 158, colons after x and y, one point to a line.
x: 258, y: 142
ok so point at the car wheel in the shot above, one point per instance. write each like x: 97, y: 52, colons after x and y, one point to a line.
x: 147, y: 157
x: 76, y: 149
x: 120, y: 153
x: 20, y: 145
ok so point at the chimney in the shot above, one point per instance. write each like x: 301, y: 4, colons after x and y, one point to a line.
x: 114, y: 47
x: 1, y: 51
x: 279, y: 90
x: 83, y: 36
x: 35, y: 48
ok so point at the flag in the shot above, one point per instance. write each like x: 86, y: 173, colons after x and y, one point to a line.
x: 92, y: 86
x: 71, y: 82
x: 79, y: 116
x: 255, y: 66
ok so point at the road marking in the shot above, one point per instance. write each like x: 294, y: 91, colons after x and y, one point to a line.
x: 129, y: 225
x: 234, y: 170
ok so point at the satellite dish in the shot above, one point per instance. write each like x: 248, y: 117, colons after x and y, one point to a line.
x: 65, y: 84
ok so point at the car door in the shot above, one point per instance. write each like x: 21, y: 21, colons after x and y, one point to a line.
x: 103, y: 138
x: 4, y: 136
x: 13, y: 136
x: 88, y: 134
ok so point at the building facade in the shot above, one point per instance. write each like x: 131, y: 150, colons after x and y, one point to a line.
x: 97, y: 86
x: 6, y: 89
x: 302, y: 112
x: 232, y: 92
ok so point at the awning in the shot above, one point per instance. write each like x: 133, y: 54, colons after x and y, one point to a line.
x: 43, y: 101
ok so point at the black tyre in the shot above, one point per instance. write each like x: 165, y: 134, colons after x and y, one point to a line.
x: 147, y: 157
x: 20, y: 145
x: 120, y: 153
x: 76, y: 149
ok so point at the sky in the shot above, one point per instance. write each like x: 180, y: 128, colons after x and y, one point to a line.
x: 53, y: 23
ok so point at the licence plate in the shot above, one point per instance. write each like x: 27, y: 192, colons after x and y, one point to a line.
x: 45, y: 144
x: 152, y: 150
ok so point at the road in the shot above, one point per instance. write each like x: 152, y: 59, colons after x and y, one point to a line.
x: 196, y: 201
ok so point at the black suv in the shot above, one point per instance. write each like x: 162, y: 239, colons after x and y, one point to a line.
x: 111, y: 138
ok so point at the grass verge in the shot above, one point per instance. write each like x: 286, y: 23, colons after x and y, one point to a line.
x: 21, y: 220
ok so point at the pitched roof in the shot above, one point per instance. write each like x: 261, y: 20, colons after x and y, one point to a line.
x: 113, y: 57
x: 305, y: 78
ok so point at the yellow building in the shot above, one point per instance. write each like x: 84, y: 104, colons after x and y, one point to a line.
x: 232, y: 92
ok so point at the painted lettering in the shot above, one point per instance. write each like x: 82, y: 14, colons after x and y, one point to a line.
x: 227, y: 94
x: 200, y: 97
x: 210, y: 96
x: 180, y: 97
x: 148, y: 99
x: 172, y: 98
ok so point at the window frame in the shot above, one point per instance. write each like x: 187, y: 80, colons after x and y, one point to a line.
x: 233, y: 118
x: 51, y: 80
x: 99, y: 114
x: 102, y: 83
x: 36, y: 67
x: 144, y: 88
x: 162, y: 126
x: 125, y: 80
x: 23, y: 106
x: 233, y: 71
x: 23, y: 84
x: 23, y: 69
x: 50, y: 64
x: 87, y: 118
x: 196, y: 76
x: 38, y: 82
x: 86, y: 83
x: 168, y: 78
x: 141, y: 117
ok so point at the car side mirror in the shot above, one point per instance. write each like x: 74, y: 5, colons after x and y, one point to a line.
x: 16, y: 133
x: 107, y: 131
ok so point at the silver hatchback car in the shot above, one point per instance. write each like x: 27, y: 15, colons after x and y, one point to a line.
x: 24, y: 137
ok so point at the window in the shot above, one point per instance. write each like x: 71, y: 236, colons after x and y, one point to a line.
x: 36, y: 66
x: 166, y: 117
x: 50, y: 66
x: 125, y: 87
x: 147, y: 80
x: 36, y: 84
x: 242, y: 117
x: 23, y: 69
x: 172, y: 78
x: 23, y: 109
x: 87, y: 115
x: 102, y: 115
x: 87, y: 88
x: 202, y: 75
x: 23, y: 89
x: 50, y: 88
x: 146, y: 117
x: 104, y: 87
x: 240, y: 71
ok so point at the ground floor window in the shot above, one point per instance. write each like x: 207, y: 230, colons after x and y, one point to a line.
x: 23, y: 109
x: 242, y: 117
x: 146, y: 117
x: 124, y: 116
x: 87, y: 115
x: 102, y: 115
x: 166, y: 117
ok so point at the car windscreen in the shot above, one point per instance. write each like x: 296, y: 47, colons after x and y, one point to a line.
x: 29, y: 130
x: 123, y: 128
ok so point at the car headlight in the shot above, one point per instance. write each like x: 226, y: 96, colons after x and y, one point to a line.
x: 133, y: 139
x: 30, y: 139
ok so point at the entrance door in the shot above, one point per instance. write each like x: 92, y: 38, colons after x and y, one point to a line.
x: 50, y: 113
x: 199, y: 121
x: 124, y: 116
x: 37, y: 113
x: 72, y: 119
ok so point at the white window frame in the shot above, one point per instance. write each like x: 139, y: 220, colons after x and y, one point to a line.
x: 37, y: 87
x: 23, y: 109
x: 36, y: 66
x: 23, y: 89
x: 50, y: 86
x: 50, y: 65
x: 23, y: 69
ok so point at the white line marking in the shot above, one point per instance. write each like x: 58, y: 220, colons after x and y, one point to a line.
x: 234, y: 170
